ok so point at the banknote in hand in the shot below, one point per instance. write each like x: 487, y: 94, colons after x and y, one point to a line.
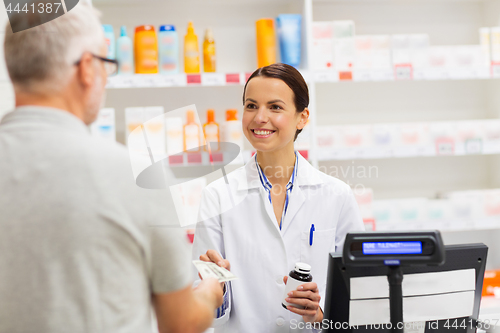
x: 212, y: 270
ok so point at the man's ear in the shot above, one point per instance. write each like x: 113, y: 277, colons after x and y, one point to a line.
x: 304, y: 117
x: 86, y: 70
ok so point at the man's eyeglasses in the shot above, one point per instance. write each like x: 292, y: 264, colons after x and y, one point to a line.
x: 110, y: 65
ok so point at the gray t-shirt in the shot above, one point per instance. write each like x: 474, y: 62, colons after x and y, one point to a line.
x: 78, y: 250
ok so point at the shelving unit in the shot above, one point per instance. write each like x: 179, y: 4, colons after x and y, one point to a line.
x: 176, y: 80
x: 224, y: 79
x: 371, y: 97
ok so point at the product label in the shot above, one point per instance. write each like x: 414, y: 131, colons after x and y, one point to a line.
x: 168, y: 62
x: 154, y: 127
x: 167, y: 40
x: 212, y: 135
x: 149, y: 41
x: 211, y: 132
x: 192, y: 137
x: 291, y: 285
x: 174, y: 141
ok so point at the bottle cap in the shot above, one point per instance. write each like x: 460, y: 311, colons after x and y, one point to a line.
x: 144, y: 28
x: 190, y: 116
x: 210, y: 116
x: 265, y: 23
x: 231, y: 114
x: 209, y: 35
x: 123, y: 31
x: 190, y: 28
x: 108, y: 28
x: 167, y: 27
x: 300, y: 267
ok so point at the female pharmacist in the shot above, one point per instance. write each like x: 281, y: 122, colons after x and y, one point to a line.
x: 278, y: 197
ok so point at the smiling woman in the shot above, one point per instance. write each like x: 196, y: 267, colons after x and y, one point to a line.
x: 281, y: 199
x: 289, y: 76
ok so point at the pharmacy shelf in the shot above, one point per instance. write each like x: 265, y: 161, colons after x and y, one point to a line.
x: 452, y: 225
x: 444, y: 149
x: 407, y: 73
x: 231, y: 79
x: 216, y: 159
x: 176, y: 80
x: 204, y: 159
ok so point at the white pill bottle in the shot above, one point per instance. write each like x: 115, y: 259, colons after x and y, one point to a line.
x: 301, y: 275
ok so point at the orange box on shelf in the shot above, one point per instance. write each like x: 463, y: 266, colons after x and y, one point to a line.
x: 491, y: 283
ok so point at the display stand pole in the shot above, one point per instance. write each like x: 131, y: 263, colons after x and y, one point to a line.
x: 395, y: 277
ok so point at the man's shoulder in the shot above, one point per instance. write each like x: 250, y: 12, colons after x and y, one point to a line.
x: 101, y: 148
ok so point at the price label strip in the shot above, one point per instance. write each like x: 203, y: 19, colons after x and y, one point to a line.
x: 213, y: 79
x: 403, y: 72
x: 474, y: 146
x: 233, y: 78
x: 193, y: 79
x: 495, y: 69
x: 211, y: 270
x: 445, y: 147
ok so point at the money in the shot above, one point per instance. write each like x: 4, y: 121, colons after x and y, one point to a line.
x: 211, y: 270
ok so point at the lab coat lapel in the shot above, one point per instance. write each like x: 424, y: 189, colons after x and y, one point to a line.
x: 296, y: 199
x: 253, y: 182
x: 307, y: 176
x: 269, y: 208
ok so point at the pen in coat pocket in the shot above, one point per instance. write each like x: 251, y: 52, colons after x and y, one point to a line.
x: 311, y: 234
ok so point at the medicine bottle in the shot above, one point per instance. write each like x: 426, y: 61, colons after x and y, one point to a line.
x: 301, y: 275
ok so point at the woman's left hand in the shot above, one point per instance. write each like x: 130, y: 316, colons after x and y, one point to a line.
x: 306, y: 295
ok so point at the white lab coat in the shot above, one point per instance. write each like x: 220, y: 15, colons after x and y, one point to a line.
x: 247, y: 234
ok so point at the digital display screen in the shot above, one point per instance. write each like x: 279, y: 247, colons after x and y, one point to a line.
x: 374, y: 248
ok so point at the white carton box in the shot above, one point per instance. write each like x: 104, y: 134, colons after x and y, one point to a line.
x: 495, y: 44
x: 104, y: 126
x: 322, y: 46
x: 344, y: 45
x: 485, y: 42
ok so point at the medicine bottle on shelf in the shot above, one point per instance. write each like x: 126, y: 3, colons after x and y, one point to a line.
x: 168, y: 49
x: 209, y: 52
x: 146, y: 50
x: 211, y: 132
x: 191, y: 51
x: 125, y: 53
x: 266, y: 42
x: 232, y: 128
x: 301, y: 275
x: 191, y: 134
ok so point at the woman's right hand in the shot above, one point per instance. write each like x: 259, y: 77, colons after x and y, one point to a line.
x: 215, y: 257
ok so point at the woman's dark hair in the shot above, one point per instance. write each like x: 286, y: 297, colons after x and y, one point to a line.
x: 292, y: 78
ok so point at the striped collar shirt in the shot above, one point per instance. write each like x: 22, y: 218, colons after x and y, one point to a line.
x: 268, y: 186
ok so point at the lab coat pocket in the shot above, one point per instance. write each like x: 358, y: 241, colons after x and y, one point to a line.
x: 316, y: 255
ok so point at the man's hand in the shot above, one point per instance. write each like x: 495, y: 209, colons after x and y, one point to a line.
x: 306, y: 295
x: 210, y: 291
x: 215, y: 257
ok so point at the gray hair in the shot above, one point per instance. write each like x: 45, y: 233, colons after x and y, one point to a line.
x: 40, y: 59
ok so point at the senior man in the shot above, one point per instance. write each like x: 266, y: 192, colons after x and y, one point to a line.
x: 78, y: 252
